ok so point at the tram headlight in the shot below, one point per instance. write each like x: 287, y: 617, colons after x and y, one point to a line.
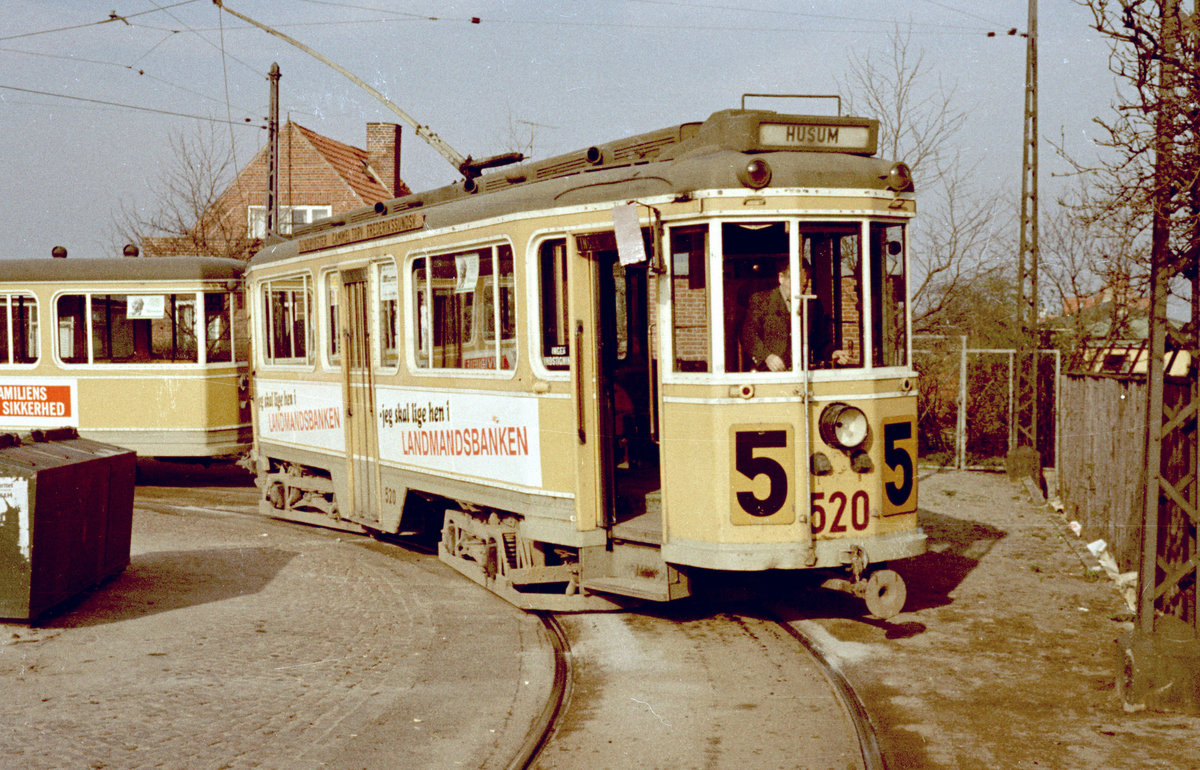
x: 899, y: 178
x: 844, y: 427
x: 756, y: 174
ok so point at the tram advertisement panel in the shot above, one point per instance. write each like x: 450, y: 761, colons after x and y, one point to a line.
x: 302, y: 413
x: 39, y: 402
x: 473, y: 434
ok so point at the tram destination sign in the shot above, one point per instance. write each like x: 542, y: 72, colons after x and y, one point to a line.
x: 364, y: 232
x: 827, y: 136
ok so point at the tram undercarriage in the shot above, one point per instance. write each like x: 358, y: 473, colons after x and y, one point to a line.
x: 539, y: 576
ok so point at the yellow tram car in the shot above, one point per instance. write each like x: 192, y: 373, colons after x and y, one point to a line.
x: 142, y: 353
x: 558, y: 365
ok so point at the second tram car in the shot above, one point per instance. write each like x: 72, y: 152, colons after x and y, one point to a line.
x: 144, y: 353
x: 563, y: 367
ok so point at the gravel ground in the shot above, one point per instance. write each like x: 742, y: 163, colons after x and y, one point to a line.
x: 1006, y: 653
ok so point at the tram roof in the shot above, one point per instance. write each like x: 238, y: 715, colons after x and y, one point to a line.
x: 677, y: 160
x: 117, y: 269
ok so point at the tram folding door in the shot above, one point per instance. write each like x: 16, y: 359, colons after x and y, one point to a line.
x: 358, y: 392
x: 622, y: 446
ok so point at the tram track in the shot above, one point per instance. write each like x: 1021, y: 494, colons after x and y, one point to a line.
x: 559, y: 696
x: 676, y: 690
x: 856, y: 710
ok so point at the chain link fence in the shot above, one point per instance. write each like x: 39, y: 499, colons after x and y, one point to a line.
x: 966, y: 408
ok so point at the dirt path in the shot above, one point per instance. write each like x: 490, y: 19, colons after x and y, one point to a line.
x: 1006, y: 654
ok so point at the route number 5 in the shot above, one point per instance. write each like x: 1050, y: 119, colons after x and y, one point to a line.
x: 899, y: 475
x: 762, y: 485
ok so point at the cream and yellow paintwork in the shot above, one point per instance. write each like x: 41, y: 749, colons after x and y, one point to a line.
x: 158, y: 409
x: 702, y: 419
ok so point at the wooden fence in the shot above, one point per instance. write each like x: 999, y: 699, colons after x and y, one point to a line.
x: 1102, y: 429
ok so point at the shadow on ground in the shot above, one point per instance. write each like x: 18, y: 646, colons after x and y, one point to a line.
x: 171, y: 580
x: 954, y: 548
x: 201, y: 472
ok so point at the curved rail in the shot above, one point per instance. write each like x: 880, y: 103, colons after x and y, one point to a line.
x: 560, y: 691
x: 857, y: 712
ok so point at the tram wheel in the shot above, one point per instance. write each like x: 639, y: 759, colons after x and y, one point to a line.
x: 885, y: 594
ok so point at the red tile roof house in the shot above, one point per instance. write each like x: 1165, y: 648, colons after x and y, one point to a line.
x: 318, y: 177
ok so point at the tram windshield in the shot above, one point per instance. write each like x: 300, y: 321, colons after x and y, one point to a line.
x: 788, y: 293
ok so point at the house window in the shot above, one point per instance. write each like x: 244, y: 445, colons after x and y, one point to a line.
x: 290, y: 217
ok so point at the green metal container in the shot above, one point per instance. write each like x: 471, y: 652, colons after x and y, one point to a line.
x: 66, y: 518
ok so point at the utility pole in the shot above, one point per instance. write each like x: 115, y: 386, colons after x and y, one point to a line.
x: 1023, y: 458
x: 467, y: 166
x: 273, y: 154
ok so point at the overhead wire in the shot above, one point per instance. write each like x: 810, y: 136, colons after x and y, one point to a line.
x: 113, y: 16
x: 136, y: 70
x: 230, y: 120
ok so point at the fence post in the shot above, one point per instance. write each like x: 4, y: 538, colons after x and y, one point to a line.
x: 960, y: 431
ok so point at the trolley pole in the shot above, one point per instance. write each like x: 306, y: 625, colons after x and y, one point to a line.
x: 1023, y: 458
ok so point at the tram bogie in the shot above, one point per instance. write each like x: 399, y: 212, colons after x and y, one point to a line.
x: 146, y: 353
x: 687, y: 350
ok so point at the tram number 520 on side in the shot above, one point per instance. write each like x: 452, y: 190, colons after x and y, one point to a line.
x: 763, y: 488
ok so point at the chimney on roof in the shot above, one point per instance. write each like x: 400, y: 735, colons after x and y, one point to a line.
x: 383, y: 153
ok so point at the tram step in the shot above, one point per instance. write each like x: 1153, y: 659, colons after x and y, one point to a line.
x: 649, y: 590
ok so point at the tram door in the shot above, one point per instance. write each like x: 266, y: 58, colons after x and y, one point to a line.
x: 626, y: 386
x: 358, y: 392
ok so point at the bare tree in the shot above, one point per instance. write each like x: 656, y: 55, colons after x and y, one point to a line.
x: 960, y: 233
x: 1149, y: 160
x: 185, y: 215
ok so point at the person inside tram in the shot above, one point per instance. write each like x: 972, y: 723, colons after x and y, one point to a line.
x: 767, y: 331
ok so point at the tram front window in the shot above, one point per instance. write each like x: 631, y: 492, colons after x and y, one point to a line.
x: 761, y: 313
x: 889, y: 321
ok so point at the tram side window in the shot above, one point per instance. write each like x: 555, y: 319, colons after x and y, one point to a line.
x: 141, y: 328
x: 689, y: 299
x: 890, y: 305
x: 287, y: 303
x: 503, y: 311
x: 331, y: 294
x: 552, y: 290
x: 218, y: 327
x: 72, y: 329
x: 456, y: 294
x: 389, y: 302
x: 18, y: 329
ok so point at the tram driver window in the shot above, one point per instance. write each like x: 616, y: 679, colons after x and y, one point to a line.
x: 832, y: 256
x: 18, y: 329
x: 757, y: 314
x: 759, y: 309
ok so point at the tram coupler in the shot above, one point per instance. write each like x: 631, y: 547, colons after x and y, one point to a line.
x: 883, y: 590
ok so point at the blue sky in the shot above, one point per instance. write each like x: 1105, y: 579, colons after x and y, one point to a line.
x: 568, y: 73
